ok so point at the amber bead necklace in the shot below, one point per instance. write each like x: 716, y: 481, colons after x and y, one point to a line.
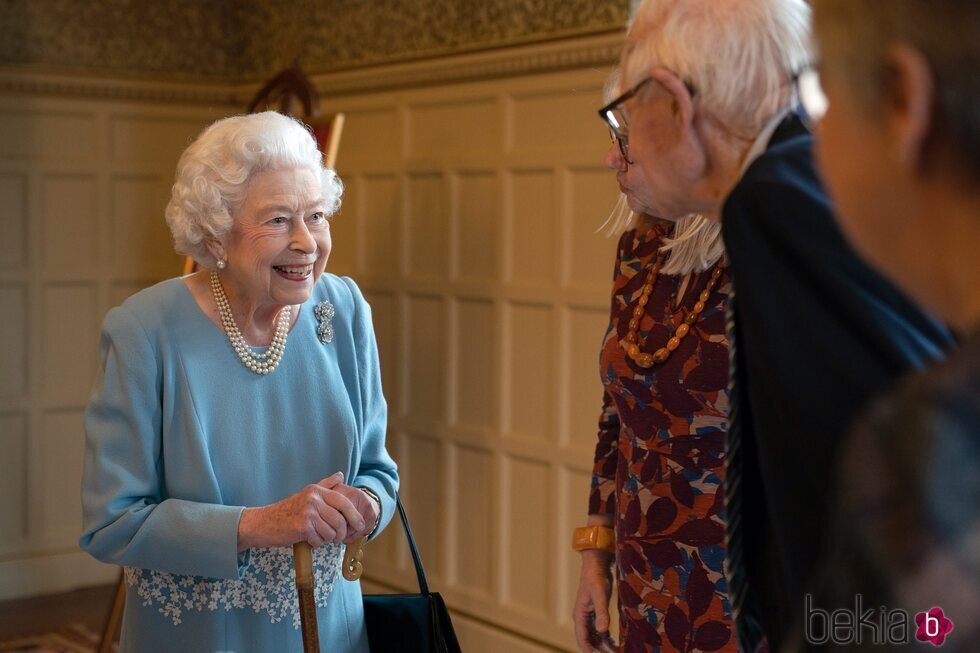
x: 633, y: 345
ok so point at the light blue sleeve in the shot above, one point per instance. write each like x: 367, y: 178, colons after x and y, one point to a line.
x: 128, y: 520
x: 377, y: 471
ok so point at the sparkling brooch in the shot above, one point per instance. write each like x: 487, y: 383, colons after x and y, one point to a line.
x: 324, y: 312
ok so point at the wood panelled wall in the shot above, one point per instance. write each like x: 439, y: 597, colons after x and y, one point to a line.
x: 470, y: 221
x: 83, y: 185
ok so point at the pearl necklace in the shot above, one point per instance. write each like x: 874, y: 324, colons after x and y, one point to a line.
x: 630, y: 343
x: 267, y: 361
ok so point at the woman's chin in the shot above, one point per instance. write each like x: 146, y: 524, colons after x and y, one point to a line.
x: 293, y: 291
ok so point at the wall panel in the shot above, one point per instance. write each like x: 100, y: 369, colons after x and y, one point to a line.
x: 70, y: 226
x: 377, y: 137
x: 64, y: 139
x: 583, y: 398
x: 428, y: 226
x: 590, y: 256
x: 61, y: 446
x: 529, y: 386
x: 142, y: 142
x: 473, y: 545
x: 140, y: 242
x: 529, y: 576
x: 532, y: 244
x: 13, y: 212
x: 13, y: 480
x: 381, y: 199
x: 553, y: 120
x: 454, y: 127
x: 69, y: 327
x: 478, y: 222
x: 425, y: 356
x: 13, y: 333
x: 483, y: 233
x: 83, y: 184
x: 474, y: 365
x: 423, y: 491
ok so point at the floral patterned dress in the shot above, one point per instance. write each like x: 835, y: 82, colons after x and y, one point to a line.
x: 659, y: 459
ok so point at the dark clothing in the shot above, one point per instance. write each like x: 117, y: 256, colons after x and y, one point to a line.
x: 907, y: 530
x: 660, y: 458
x: 818, y: 334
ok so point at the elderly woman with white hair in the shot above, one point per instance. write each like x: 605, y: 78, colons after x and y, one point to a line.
x: 656, y: 505
x: 239, y: 410
x: 709, y: 123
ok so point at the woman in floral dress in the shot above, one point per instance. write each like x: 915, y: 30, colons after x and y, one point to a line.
x: 656, y: 508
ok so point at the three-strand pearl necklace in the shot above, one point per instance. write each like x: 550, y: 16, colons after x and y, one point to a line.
x: 267, y: 361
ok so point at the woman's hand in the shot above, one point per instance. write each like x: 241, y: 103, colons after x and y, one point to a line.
x: 591, y: 612
x: 320, y: 513
x: 366, y: 505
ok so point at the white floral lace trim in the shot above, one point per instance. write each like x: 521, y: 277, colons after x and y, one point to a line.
x: 268, y: 585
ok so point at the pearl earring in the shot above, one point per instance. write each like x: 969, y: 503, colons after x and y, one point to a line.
x: 222, y: 264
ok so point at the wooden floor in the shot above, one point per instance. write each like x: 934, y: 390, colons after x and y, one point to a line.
x: 89, y: 607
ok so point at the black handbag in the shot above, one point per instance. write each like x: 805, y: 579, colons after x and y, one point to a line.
x: 409, y: 623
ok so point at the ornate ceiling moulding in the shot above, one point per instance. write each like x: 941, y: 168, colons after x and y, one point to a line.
x: 595, y: 50
x: 35, y: 82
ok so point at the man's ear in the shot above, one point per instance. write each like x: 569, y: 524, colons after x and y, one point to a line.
x: 907, y: 103
x: 682, y: 104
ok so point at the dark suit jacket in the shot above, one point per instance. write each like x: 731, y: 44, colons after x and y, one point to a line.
x: 818, y: 334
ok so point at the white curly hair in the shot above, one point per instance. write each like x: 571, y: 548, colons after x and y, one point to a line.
x: 214, y: 172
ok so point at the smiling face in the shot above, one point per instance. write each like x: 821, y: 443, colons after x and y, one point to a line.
x: 279, y: 241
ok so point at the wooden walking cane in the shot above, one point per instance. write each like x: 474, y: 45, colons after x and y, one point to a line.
x: 303, y: 559
x: 306, y: 585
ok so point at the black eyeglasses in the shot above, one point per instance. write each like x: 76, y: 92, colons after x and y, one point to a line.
x: 615, y: 119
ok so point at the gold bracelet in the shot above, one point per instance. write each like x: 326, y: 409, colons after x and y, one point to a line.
x: 374, y: 496
x: 594, y: 537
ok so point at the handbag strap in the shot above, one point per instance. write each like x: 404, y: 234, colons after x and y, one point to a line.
x: 419, y: 571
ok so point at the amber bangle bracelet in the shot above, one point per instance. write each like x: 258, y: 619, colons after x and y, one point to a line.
x: 594, y: 537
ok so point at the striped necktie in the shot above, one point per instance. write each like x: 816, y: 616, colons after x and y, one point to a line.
x: 747, y: 626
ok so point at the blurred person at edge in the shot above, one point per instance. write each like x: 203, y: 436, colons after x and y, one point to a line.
x: 712, y: 125
x: 656, y: 495
x: 899, y: 147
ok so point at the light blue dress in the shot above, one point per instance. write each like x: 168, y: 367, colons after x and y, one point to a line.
x: 181, y: 437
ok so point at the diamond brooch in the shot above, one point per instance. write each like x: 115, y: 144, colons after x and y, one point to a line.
x: 324, y: 312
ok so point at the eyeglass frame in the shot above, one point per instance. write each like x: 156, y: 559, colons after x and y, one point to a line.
x: 620, y: 133
x: 810, y: 115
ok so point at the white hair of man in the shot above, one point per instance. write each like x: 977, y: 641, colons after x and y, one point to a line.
x: 694, y: 245
x: 740, y: 56
x: 214, y: 172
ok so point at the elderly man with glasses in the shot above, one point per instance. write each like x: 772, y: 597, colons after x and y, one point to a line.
x: 713, y: 121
